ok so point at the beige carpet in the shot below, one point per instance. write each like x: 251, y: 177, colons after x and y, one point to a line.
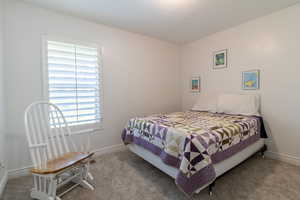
x: 124, y: 176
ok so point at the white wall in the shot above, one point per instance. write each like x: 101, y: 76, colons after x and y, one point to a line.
x: 141, y: 74
x: 271, y: 44
x: 2, y: 154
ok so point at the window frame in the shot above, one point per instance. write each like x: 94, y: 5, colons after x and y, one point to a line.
x: 45, y: 78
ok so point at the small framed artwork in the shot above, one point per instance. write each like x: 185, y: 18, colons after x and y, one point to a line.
x: 220, y: 59
x: 251, y: 80
x: 195, y: 84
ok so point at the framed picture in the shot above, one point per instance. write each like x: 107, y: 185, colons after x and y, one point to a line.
x: 220, y: 59
x: 251, y: 80
x: 195, y: 84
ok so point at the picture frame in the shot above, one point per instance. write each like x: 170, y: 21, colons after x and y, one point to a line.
x: 251, y: 80
x: 220, y: 59
x: 195, y: 84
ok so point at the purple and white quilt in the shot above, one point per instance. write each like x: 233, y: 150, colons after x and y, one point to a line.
x: 193, y: 141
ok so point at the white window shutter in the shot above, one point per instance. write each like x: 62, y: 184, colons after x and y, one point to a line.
x: 74, y: 81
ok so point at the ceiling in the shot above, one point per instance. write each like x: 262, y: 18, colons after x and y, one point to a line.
x: 178, y: 21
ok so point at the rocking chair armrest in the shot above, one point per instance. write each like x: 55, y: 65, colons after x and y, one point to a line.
x: 87, y: 132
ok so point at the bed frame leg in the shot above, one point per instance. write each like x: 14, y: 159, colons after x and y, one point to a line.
x: 210, y: 188
x: 263, y: 150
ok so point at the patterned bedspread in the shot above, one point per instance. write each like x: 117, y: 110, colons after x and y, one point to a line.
x: 193, y: 141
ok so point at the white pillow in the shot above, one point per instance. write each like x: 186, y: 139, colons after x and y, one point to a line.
x: 204, y: 104
x: 238, y: 104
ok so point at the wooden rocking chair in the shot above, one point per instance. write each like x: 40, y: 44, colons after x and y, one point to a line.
x: 56, y: 159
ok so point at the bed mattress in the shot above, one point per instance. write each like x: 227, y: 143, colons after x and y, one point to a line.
x: 194, y: 142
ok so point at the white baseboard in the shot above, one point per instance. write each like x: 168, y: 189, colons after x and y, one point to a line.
x: 25, y: 171
x: 109, y: 149
x: 283, y: 157
x: 15, y: 173
x: 3, y: 182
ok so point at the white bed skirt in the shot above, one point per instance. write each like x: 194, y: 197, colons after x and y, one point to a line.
x: 220, y: 168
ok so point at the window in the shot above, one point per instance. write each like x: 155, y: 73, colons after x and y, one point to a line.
x: 74, y: 81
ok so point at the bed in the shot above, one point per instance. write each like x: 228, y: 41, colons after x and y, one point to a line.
x: 195, y: 147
